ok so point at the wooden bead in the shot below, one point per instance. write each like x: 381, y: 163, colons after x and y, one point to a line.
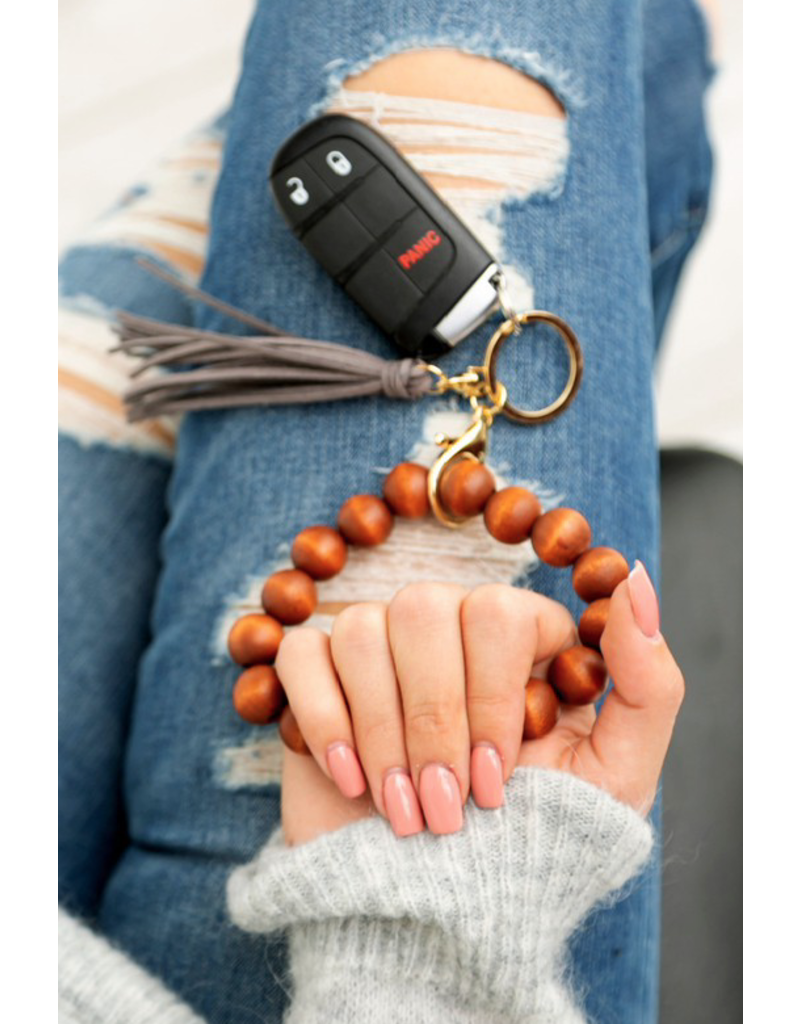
x: 510, y: 514
x: 541, y: 709
x: 406, y: 490
x: 289, y: 595
x: 560, y: 536
x: 289, y: 732
x: 465, y: 488
x: 320, y: 551
x: 254, y: 638
x: 593, y: 622
x: 597, y: 573
x: 365, y: 520
x: 578, y: 675
x: 258, y: 695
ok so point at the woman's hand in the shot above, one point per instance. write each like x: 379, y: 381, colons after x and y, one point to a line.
x: 409, y: 706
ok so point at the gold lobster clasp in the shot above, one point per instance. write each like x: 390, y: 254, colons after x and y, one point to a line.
x: 488, y: 397
x: 472, y: 444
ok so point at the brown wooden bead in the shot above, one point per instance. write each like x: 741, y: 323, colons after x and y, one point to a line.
x: 510, y: 514
x: 578, y: 675
x: 254, y: 638
x: 366, y: 520
x: 593, y: 622
x: 258, y: 695
x: 597, y: 573
x: 289, y: 732
x: 289, y: 595
x: 465, y: 488
x: 541, y: 709
x: 406, y: 490
x: 320, y: 551
x: 561, y: 536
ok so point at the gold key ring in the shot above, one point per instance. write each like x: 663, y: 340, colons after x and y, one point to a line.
x: 502, y: 334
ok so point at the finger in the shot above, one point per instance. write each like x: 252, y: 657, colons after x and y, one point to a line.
x: 505, y: 631
x: 425, y: 637
x: 363, y: 661
x: 306, y: 671
x: 556, y: 631
x: 311, y: 804
x: 635, y: 724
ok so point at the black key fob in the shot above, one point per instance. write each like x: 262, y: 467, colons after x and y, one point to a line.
x: 383, y: 233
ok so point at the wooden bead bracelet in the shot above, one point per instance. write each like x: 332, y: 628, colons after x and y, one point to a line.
x: 457, y: 487
x: 466, y: 488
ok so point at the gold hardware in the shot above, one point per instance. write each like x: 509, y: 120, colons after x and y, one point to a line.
x: 574, y: 351
x: 488, y: 397
x: 470, y: 445
x: 499, y: 282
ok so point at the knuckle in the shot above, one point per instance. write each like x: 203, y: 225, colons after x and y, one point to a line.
x: 420, y: 603
x: 496, y: 714
x: 498, y: 702
x: 363, y: 616
x: 358, y: 624
x: 498, y: 601
x: 431, y: 720
x: 377, y: 735
x: 297, y: 645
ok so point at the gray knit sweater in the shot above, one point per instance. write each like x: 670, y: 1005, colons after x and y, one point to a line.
x: 465, y: 928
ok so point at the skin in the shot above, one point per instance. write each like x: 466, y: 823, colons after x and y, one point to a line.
x: 450, y: 75
x: 439, y: 669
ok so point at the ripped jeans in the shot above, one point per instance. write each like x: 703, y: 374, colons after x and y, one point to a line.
x: 591, y: 206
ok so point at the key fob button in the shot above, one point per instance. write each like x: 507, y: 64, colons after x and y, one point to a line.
x: 337, y: 240
x: 300, y: 192
x: 339, y: 162
x: 379, y: 202
x: 383, y: 291
x: 421, y: 250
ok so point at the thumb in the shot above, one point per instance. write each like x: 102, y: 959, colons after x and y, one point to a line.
x: 634, y: 727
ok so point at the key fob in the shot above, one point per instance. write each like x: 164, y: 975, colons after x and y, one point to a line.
x: 383, y: 233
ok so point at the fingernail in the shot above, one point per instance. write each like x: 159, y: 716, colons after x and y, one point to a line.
x: 345, y: 769
x: 486, y: 776
x: 644, y: 601
x: 402, y: 806
x: 440, y: 795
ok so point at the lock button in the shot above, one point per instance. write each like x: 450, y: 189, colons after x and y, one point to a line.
x: 300, y: 192
x: 340, y: 162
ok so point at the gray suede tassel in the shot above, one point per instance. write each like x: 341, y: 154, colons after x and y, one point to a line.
x: 225, y: 371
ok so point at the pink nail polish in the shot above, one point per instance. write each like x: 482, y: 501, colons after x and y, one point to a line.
x: 402, y: 806
x: 440, y: 796
x: 644, y: 601
x: 345, y: 769
x: 486, y: 776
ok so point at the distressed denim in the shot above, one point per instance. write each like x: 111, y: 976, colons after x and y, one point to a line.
x: 163, y: 788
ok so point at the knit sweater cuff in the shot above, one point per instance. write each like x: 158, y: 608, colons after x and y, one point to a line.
x: 466, y: 927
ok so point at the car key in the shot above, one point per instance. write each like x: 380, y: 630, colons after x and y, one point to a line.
x: 384, y: 234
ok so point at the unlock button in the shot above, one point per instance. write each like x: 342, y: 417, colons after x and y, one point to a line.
x: 299, y: 191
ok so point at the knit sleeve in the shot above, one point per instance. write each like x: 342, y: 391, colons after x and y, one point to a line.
x: 98, y: 984
x: 470, y: 927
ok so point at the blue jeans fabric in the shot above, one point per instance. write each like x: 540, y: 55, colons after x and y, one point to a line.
x: 148, y: 841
